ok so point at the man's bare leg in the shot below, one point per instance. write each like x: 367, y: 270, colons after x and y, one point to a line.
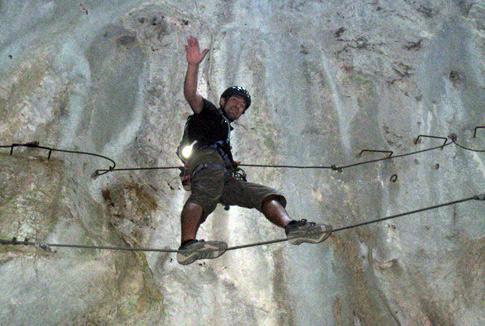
x: 190, y: 220
x: 189, y: 252
x: 298, y: 231
x: 275, y: 212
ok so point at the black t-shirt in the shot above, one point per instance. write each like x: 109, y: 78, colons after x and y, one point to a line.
x: 209, y: 126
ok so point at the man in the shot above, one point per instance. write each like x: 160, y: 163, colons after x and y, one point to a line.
x: 206, y: 152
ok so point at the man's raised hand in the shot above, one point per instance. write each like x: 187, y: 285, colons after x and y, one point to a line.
x: 192, y: 51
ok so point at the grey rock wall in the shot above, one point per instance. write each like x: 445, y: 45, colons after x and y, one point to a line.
x: 328, y: 79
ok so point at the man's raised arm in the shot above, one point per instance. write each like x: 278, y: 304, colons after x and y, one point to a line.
x: 194, y: 58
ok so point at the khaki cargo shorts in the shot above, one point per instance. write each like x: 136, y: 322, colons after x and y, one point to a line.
x: 211, y: 185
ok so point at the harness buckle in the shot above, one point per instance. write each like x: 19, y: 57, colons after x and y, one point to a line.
x: 239, y: 174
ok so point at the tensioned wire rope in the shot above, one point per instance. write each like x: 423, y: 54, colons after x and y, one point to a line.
x: 99, y: 172
x: 46, y: 246
x: 333, y: 167
x: 452, y: 137
x: 51, y: 149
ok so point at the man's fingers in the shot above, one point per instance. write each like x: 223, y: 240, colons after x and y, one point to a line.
x: 190, y: 40
x: 204, y: 53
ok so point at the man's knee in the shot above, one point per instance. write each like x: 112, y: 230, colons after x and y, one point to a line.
x: 201, y: 211
x: 191, y: 207
x: 192, y: 212
x: 274, y: 199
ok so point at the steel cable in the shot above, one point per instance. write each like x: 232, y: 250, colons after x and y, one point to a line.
x: 469, y: 149
x: 51, y: 149
x: 393, y: 157
x: 46, y: 246
x: 334, y: 167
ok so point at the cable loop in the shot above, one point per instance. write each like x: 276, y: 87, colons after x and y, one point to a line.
x: 35, y: 144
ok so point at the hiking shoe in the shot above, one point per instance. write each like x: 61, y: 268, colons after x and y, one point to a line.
x: 302, y: 231
x: 200, y: 249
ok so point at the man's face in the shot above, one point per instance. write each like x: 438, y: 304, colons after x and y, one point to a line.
x: 233, y: 107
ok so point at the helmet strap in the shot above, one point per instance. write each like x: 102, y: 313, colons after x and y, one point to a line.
x: 225, y: 116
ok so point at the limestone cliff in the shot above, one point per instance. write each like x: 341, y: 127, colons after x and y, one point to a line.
x: 328, y: 79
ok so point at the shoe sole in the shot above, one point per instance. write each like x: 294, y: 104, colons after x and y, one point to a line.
x: 324, y: 236
x: 206, y: 253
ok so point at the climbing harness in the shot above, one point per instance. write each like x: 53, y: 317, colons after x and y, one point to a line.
x: 185, y: 176
x: 239, y: 174
x: 189, y: 147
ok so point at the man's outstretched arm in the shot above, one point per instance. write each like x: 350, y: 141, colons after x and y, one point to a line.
x: 194, y: 58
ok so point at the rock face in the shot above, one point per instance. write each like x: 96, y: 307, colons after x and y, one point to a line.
x: 328, y: 79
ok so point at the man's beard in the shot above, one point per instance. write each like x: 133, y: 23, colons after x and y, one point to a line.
x: 223, y: 109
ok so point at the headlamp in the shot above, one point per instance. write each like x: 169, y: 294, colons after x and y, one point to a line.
x: 187, y: 150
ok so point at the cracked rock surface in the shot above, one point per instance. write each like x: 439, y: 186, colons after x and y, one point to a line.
x: 328, y: 79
